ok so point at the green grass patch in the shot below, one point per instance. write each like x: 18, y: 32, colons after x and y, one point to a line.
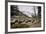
x: 20, y: 26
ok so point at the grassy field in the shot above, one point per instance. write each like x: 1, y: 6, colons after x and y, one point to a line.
x: 26, y: 22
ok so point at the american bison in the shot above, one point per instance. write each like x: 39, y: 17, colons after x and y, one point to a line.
x: 28, y: 21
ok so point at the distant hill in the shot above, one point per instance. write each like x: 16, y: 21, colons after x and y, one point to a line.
x: 17, y: 13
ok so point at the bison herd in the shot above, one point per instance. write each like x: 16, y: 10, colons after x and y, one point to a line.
x: 18, y: 21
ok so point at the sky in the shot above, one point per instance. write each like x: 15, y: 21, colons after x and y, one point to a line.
x: 28, y: 10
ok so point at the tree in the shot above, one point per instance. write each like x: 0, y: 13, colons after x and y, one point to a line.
x: 34, y: 11
x: 34, y: 15
x: 14, y: 10
x: 39, y: 11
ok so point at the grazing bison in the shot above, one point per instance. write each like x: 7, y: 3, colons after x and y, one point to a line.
x: 12, y: 21
x: 20, y: 22
x: 33, y: 21
x: 16, y: 21
x: 23, y: 20
x: 28, y: 21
